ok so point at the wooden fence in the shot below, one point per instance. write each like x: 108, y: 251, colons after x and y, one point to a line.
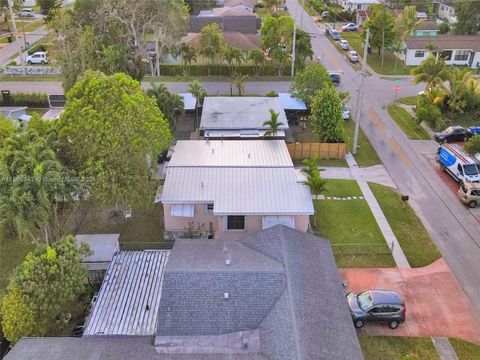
x: 299, y: 151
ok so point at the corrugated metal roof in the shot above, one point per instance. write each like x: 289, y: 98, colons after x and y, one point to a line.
x: 240, y: 134
x: 129, y: 297
x: 291, y: 103
x: 260, y: 191
x: 189, y: 101
x: 103, y: 246
x: 231, y: 153
x: 240, y: 112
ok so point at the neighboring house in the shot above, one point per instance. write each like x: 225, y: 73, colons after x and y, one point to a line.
x: 240, y: 117
x: 456, y: 49
x: 13, y: 112
x: 229, y: 19
x: 445, y: 10
x: 242, y: 41
x: 275, y: 294
x: 361, y: 17
x: 226, y: 189
x: 355, y: 5
x: 248, y: 5
x: 426, y: 28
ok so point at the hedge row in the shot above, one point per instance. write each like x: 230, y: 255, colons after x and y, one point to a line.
x: 37, y: 47
x: 220, y: 70
x: 23, y: 99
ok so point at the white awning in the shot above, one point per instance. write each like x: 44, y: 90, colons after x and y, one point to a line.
x: 291, y: 103
x: 269, y: 221
x: 189, y: 101
x: 184, y: 210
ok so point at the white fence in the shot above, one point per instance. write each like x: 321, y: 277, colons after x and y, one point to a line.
x: 32, y: 70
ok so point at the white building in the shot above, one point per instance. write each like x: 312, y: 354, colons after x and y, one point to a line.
x: 455, y: 49
x: 357, y: 4
x: 226, y: 189
x: 242, y: 117
x: 445, y: 10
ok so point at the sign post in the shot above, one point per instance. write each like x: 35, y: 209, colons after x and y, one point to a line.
x: 397, y: 89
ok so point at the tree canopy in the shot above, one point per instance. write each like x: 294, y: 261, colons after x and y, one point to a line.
x: 326, y: 116
x: 382, y: 28
x: 212, y: 42
x: 109, y: 130
x: 49, y: 280
x: 277, y: 31
x: 309, y: 80
x: 468, y: 17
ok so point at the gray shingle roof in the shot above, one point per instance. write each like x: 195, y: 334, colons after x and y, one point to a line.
x: 445, y: 42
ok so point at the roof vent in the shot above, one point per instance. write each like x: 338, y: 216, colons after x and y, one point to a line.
x: 201, y: 184
x: 226, y: 296
x: 249, y: 155
x: 213, y: 151
x: 228, y: 262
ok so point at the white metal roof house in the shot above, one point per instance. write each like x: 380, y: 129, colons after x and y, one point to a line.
x: 445, y: 10
x: 240, y: 117
x: 225, y: 189
x: 357, y: 4
x: 463, y: 50
x: 275, y: 294
x: 103, y: 247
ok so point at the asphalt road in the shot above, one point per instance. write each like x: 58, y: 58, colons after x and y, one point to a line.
x: 10, y: 51
x: 452, y: 226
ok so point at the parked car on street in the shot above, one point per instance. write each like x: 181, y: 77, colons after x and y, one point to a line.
x: 39, y: 57
x: 375, y: 306
x: 474, y: 130
x: 345, y: 113
x: 350, y: 27
x: 461, y: 166
x: 352, y: 56
x: 335, y: 35
x: 452, y: 134
x: 335, y: 78
x: 469, y: 194
x: 26, y: 12
x: 344, y: 44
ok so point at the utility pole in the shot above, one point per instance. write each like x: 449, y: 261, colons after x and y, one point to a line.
x: 12, y: 15
x: 295, y: 37
x: 360, y: 94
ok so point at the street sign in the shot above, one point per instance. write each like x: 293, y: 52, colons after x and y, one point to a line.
x: 397, y: 88
x: 397, y: 82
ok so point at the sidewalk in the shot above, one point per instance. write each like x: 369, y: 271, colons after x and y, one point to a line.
x: 10, y: 51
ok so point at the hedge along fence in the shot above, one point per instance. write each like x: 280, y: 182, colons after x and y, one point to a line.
x: 221, y: 70
x: 300, y: 151
x: 37, y: 100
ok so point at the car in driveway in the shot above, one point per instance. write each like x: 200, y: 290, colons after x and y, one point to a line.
x: 344, y: 44
x: 345, y: 113
x: 335, y: 35
x: 352, y: 56
x: 469, y: 194
x: 350, y: 27
x: 377, y: 306
x: 40, y: 57
x: 452, y: 134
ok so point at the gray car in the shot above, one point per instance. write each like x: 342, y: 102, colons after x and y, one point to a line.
x: 376, y: 306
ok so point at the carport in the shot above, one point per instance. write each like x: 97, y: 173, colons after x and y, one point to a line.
x: 295, y: 108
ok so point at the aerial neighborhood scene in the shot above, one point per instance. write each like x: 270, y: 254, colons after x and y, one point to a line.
x: 240, y: 179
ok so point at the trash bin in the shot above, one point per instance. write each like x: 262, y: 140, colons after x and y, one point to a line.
x: 369, y: 49
x: 10, y: 38
x: 327, y: 32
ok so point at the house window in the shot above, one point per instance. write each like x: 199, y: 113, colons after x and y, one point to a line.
x: 447, y: 55
x: 462, y: 55
x: 235, y: 222
x: 209, y: 208
x: 419, y: 53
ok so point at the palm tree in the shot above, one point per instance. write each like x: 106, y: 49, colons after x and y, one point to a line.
x: 273, y: 123
x: 233, y: 54
x: 168, y: 103
x: 317, y: 186
x: 458, y: 79
x: 188, y: 54
x: 397, y: 48
x: 239, y: 83
x: 198, y: 93
x: 310, y: 164
x: 436, y: 95
x: 408, y: 21
x: 258, y: 59
x: 431, y: 71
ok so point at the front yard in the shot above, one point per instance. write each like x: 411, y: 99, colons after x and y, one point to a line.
x: 366, y: 154
x: 397, y: 348
x: 465, y: 350
x: 407, y: 123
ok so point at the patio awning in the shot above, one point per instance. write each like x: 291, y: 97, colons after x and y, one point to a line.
x: 184, y: 210
x: 269, y: 221
x: 291, y: 103
x: 189, y: 101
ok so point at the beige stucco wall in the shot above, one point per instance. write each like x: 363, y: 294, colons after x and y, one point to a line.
x: 253, y: 223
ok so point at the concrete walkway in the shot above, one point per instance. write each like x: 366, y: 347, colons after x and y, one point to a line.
x: 376, y: 174
x: 390, y: 238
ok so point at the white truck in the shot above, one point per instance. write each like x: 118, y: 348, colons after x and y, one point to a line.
x: 461, y: 166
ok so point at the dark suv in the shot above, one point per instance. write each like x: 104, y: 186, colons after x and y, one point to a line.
x: 376, y: 306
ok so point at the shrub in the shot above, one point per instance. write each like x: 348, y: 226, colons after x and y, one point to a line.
x: 335, y: 14
x: 444, y: 27
x: 37, y: 47
x: 25, y: 99
x: 317, y: 5
x: 432, y: 115
x: 271, y: 94
x: 220, y: 70
x: 472, y: 146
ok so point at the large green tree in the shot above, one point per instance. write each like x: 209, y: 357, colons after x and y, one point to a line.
x: 109, y: 130
x: 277, y: 31
x: 234, y: 57
x: 7, y: 129
x: 212, y: 43
x: 309, y: 80
x: 303, y: 47
x: 408, y: 21
x: 326, y: 116
x: 48, y: 7
x: 382, y: 28
x: 34, y: 184
x: 45, y: 285
x: 467, y: 13
x: 188, y: 55
x: 432, y: 71
x: 257, y: 58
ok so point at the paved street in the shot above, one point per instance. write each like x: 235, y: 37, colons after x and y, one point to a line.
x: 9, y: 50
x: 452, y: 226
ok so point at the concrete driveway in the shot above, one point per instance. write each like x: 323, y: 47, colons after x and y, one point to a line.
x: 436, y: 305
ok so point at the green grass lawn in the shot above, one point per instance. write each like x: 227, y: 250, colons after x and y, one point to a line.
x: 397, y: 348
x: 366, y: 154
x: 408, y: 100
x: 356, y: 42
x: 351, y: 228
x: 412, y: 236
x: 39, y: 111
x: 28, y: 25
x: 4, y: 39
x: 465, y: 350
x: 407, y: 123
